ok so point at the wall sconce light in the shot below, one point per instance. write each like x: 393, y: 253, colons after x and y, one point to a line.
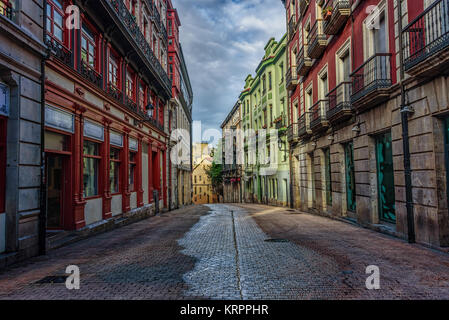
x: 407, y: 109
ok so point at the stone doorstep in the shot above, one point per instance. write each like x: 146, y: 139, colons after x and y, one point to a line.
x: 7, y: 259
x: 69, y: 237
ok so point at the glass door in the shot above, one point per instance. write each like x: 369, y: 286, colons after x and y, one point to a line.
x: 55, y: 191
x: 385, y: 178
x: 350, y: 179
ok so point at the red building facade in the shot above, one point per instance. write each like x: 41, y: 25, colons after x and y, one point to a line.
x: 363, y: 143
x: 106, y: 124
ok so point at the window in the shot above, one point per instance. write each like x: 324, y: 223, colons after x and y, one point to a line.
x: 2, y: 162
x: 55, y: 20
x: 132, y: 171
x: 142, y: 96
x: 281, y: 69
x: 269, y: 81
x: 91, y: 168
x: 130, y: 85
x: 114, y: 70
x: 88, y: 47
x: 114, y: 171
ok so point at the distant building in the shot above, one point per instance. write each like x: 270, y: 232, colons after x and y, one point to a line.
x: 203, y: 191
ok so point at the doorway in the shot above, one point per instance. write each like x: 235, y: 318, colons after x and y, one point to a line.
x: 55, y: 191
x: 385, y: 178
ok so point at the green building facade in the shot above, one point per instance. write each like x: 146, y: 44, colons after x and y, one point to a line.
x: 264, y: 106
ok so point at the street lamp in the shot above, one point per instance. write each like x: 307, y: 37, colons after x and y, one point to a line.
x: 150, y: 113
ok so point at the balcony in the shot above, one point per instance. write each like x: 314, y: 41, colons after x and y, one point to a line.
x: 6, y: 9
x: 304, y: 126
x: 335, y: 13
x: 304, y: 64
x: 339, y: 107
x: 91, y: 75
x: 126, y: 19
x: 292, y: 26
x: 303, y: 4
x: 371, y: 82
x: 318, y: 118
x: 316, y: 40
x: 59, y: 51
x: 114, y: 92
x: 426, y: 41
x: 291, y: 78
x: 292, y: 133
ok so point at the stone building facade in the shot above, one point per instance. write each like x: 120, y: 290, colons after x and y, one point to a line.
x: 203, y: 192
x: 22, y: 51
x: 361, y: 148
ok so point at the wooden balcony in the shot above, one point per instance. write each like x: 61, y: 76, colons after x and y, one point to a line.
x: 371, y: 82
x: 336, y: 13
x: 304, y: 63
x: 316, y: 40
x: 318, y: 118
x: 426, y: 42
x: 339, y: 106
x: 292, y: 78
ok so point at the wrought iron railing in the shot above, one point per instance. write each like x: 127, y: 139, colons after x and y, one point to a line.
x: 301, y: 60
x: 129, y: 22
x: 334, y: 5
x: 92, y: 75
x: 427, y: 34
x: 291, y: 76
x: 374, y: 74
x: 292, y: 26
x: 6, y: 9
x: 114, y: 92
x: 58, y: 50
x: 317, y: 113
x: 316, y: 33
x: 303, y: 4
x: 339, y: 99
x: 303, y: 124
x: 292, y: 132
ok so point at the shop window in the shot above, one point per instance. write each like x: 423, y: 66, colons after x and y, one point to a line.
x: 55, y: 20
x: 132, y: 171
x: 88, y: 47
x: 91, y: 162
x: 114, y: 170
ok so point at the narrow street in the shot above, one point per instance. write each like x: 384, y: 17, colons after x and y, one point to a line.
x: 222, y: 252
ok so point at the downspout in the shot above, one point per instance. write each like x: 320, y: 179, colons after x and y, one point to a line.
x: 405, y: 110
x: 42, y: 241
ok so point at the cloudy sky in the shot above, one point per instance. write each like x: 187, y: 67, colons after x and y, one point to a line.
x: 223, y: 42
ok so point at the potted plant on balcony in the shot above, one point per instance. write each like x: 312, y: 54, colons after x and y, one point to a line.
x: 327, y: 13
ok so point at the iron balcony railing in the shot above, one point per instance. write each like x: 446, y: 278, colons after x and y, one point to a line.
x: 129, y: 22
x: 303, y: 4
x: 339, y: 99
x: 114, y: 92
x: 426, y: 35
x: 374, y: 74
x: 303, y: 124
x: 335, y: 14
x: 317, y: 113
x: 315, y: 38
x: 291, y: 77
x: 6, y: 9
x: 62, y: 53
x: 292, y: 26
x: 292, y: 132
x: 303, y: 62
x: 92, y: 75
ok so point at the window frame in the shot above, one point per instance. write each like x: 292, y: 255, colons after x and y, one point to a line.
x: 130, y: 79
x: 132, y: 164
x: 50, y: 18
x: 119, y: 162
x: 97, y: 158
x: 112, y: 55
x: 92, y: 41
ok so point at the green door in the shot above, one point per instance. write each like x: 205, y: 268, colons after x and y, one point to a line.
x: 350, y: 177
x: 328, y: 176
x: 385, y: 178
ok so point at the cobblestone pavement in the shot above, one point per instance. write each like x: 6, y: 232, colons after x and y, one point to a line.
x: 221, y: 252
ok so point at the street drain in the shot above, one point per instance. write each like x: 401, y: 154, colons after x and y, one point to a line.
x: 53, y: 279
x: 277, y: 240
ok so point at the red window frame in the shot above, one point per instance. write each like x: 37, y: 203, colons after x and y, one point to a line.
x: 142, y: 96
x: 132, y: 173
x: 161, y: 112
x: 87, y: 42
x: 52, y: 8
x: 3, y: 123
x: 98, y: 158
x: 118, y: 161
x: 130, y: 86
x: 114, y: 62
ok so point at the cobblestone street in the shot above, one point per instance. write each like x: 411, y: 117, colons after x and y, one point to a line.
x: 221, y: 252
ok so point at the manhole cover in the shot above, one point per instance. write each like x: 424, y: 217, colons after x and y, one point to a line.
x: 53, y: 279
x: 277, y: 240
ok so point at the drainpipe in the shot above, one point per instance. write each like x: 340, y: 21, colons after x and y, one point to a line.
x: 405, y: 111
x: 42, y: 240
